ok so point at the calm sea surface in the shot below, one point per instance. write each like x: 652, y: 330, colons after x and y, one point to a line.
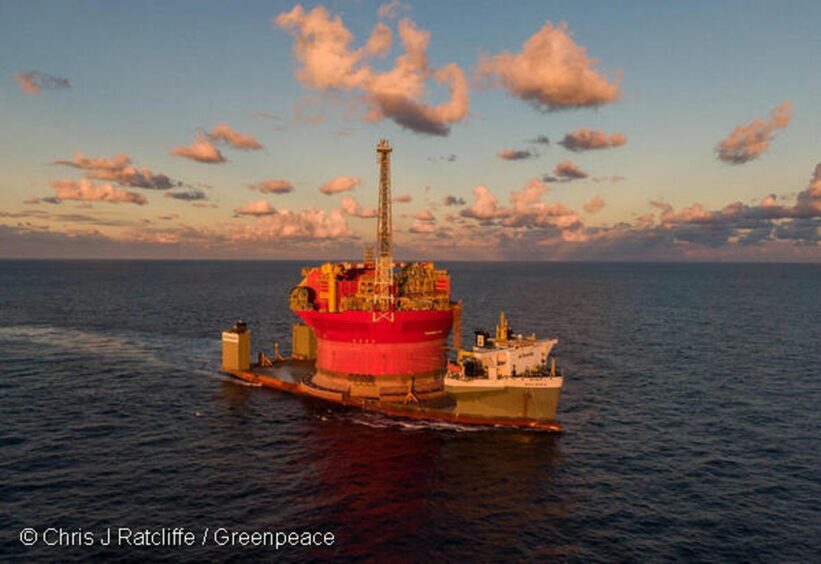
x: 691, y: 409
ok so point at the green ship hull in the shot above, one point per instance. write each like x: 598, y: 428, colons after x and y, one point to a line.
x: 515, y: 402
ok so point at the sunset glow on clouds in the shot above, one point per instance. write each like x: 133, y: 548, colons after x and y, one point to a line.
x: 203, y: 149
x: 119, y: 169
x: 351, y: 207
x: 86, y: 190
x: 587, y: 139
x: 224, y: 134
x: 323, y: 48
x: 190, y: 195
x: 340, y: 184
x: 595, y: 204
x: 309, y: 224
x: 747, y: 142
x: 526, y: 209
x: 552, y: 72
x: 510, y: 129
x: 272, y: 186
x: 33, y: 82
x: 568, y: 170
x: 423, y: 222
x: 260, y: 207
x: 515, y: 154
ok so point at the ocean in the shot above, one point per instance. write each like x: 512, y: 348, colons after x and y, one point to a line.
x: 691, y: 414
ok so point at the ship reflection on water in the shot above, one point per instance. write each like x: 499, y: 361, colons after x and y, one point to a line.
x: 387, y: 487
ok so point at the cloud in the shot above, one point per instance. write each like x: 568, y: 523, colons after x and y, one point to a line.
x: 613, y: 179
x: 422, y: 227
x: 568, y: 171
x: 765, y: 221
x: 308, y: 228
x: 526, y: 209
x: 327, y: 63
x: 119, y: 169
x: 268, y: 115
x: 540, y: 140
x: 391, y: 9
x: 191, y: 195
x: 449, y: 158
x: 257, y: 208
x: 33, y: 82
x: 340, y: 184
x: 305, y: 230
x: 515, y: 155
x: 814, y: 188
x: 423, y: 222
x: 224, y: 134
x: 403, y: 199
x: 309, y: 224
x: 552, y: 72
x: 803, y: 232
x: 453, y: 201
x: 529, y: 211
x: 308, y: 110
x: 64, y: 218
x: 86, y: 190
x: 747, y: 142
x: 351, y: 207
x: 594, y: 205
x: 485, y: 205
x: 772, y: 228
x: 425, y: 215
x: 201, y: 150
x: 272, y: 186
x: 379, y: 43
x: 587, y: 139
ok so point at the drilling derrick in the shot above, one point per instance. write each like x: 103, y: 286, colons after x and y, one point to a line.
x: 383, y: 296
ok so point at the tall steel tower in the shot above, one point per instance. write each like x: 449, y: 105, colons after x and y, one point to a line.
x: 383, y: 297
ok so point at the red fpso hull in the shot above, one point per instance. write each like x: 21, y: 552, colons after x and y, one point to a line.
x: 352, y: 342
x: 385, y: 360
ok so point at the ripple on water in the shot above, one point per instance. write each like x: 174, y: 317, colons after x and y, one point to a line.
x: 690, y: 413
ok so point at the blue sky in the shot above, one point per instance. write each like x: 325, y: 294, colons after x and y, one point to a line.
x: 146, y: 76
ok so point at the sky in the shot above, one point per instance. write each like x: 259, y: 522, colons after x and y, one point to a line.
x: 530, y: 131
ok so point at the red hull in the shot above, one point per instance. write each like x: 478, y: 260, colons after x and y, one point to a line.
x: 352, y: 342
x: 359, y: 326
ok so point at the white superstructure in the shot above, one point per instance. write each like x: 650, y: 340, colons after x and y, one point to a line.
x: 508, y: 360
x: 516, y: 357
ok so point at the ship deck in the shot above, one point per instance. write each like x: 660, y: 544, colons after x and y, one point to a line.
x: 295, y: 377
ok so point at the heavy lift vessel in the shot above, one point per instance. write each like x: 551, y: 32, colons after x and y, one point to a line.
x: 374, y: 335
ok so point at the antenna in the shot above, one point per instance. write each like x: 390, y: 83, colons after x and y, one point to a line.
x: 383, y: 298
